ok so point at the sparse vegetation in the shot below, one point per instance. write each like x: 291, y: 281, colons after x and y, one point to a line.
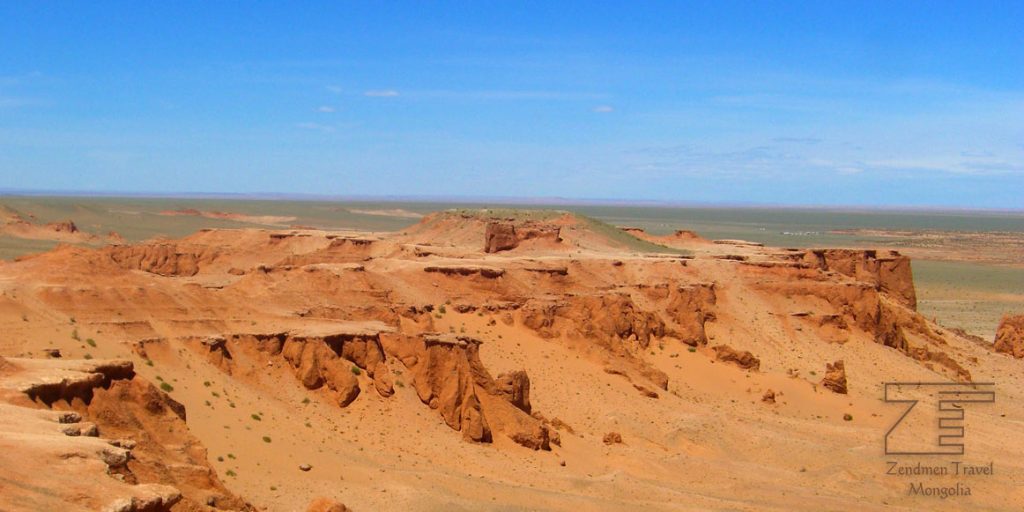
x: 256, y: 417
x: 230, y: 473
x: 356, y: 370
x: 266, y: 439
x: 166, y: 387
x: 847, y: 417
x: 74, y: 335
x: 91, y: 342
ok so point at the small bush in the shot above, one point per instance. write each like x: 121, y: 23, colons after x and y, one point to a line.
x: 847, y: 417
x: 230, y: 473
x: 87, y: 356
x: 692, y: 349
x: 256, y: 417
x: 206, y: 383
x: 305, y: 401
x: 441, y: 309
x: 356, y: 370
x: 91, y: 342
x: 166, y: 387
x: 74, y: 335
x: 149, y: 362
x: 266, y: 439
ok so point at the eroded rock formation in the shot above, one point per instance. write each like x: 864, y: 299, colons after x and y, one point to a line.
x: 742, y: 358
x: 835, y: 377
x: 1010, y: 336
x: 163, y: 259
x: 449, y: 376
x: 94, y: 434
x: 889, y: 272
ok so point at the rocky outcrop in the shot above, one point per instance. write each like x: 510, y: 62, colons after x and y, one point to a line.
x: 449, y: 377
x: 66, y: 226
x: 1010, y: 336
x: 331, y: 358
x: 742, y: 358
x: 515, y: 387
x: 601, y: 317
x: 889, y: 322
x: 121, y: 445
x: 835, y: 377
x: 500, y: 236
x: 505, y: 235
x: 690, y: 307
x: 466, y: 270
x: 161, y: 258
x: 890, y: 272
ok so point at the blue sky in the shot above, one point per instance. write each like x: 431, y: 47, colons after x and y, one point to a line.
x: 817, y: 103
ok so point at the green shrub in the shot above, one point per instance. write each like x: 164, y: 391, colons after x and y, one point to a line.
x: 166, y: 387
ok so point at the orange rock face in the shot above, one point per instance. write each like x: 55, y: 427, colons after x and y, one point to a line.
x: 1010, y: 336
x: 835, y: 377
x: 742, y: 358
x: 500, y: 236
x: 890, y: 272
x: 161, y: 259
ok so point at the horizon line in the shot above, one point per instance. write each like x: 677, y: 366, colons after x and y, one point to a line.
x: 481, y: 200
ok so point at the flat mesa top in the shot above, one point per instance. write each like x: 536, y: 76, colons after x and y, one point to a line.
x: 360, y: 328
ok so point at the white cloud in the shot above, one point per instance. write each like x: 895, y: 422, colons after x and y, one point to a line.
x: 333, y: 89
x: 381, y: 93
x: 327, y: 109
x: 603, y: 109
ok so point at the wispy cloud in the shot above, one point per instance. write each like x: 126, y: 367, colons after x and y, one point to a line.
x: 381, y: 93
x: 334, y: 89
x: 327, y: 109
x: 603, y: 109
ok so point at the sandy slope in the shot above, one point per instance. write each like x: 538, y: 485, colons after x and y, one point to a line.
x: 567, y: 311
